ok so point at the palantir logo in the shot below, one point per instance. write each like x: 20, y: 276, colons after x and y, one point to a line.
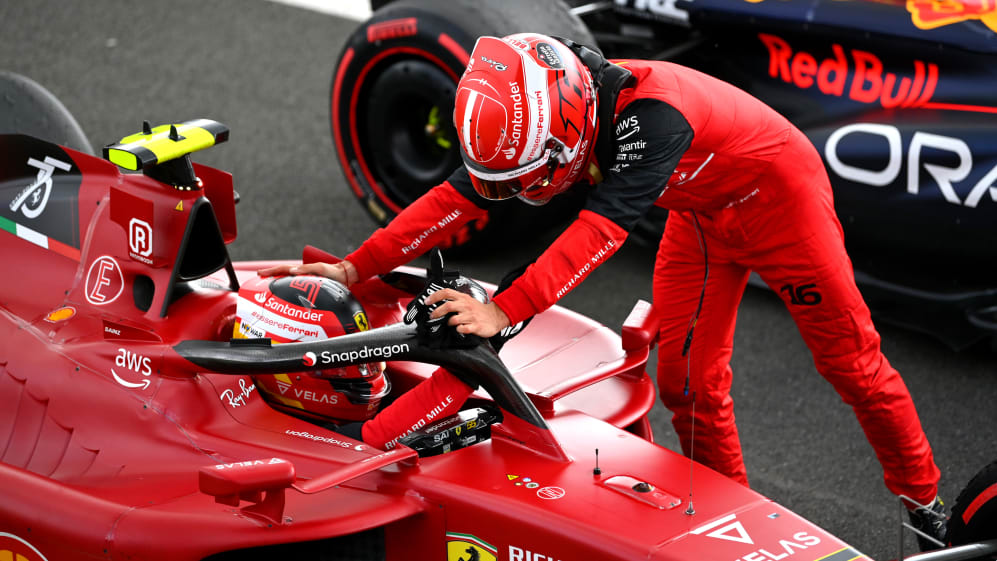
x: 32, y: 199
x: 140, y: 237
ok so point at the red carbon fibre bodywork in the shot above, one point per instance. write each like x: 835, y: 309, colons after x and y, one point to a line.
x: 114, y: 447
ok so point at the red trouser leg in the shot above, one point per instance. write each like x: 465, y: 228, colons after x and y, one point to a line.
x: 435, y: 398
x: 790, y: 235
x: 678, y: 282
x: 805, y: 262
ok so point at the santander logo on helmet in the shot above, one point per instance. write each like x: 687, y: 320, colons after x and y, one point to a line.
x: 525, y: 114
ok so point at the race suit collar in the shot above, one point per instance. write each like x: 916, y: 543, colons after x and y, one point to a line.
x: 609, y: 79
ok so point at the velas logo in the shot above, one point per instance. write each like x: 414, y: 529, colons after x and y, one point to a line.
x: 309, y: 359
x: 930, y: 14
x: 726, y: 528
x: 249, y: 464
x: 466, y: 547
x: 283, y: 387
x: 857, y: 74
x: 13, y: 548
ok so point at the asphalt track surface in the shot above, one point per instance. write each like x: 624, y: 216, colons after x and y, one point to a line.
x: 264, y: 69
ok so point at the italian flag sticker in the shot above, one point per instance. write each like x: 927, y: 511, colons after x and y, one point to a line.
x: 465, y: 547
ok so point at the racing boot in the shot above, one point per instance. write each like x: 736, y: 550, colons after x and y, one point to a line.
x: 931, y: 520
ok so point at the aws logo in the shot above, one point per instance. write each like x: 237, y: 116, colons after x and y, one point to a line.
x: 134, y: 362
x: 13, y: 548
x: 930, y: 14
x: 465, y: 547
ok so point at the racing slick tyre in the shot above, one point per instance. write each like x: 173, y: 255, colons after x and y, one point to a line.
x: 392, y: 101
x: 28, y: 108
x: 974, y: 513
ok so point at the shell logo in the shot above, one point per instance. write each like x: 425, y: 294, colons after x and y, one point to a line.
x: 929, y: 14
x: 13, y: 548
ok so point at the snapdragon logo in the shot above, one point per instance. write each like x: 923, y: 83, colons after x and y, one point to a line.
x: 364, y: 353
x: 309, y: 359
x: 327, y: 439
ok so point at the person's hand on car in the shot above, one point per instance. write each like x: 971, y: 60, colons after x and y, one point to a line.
x: 343, y: 272
x: 471, y: 316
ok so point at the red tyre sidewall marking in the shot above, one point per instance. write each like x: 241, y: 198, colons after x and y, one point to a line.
x: 454, y: 47
x: 978, y: 502
x: 337, y: 88
x: 354, y: 99
x: 445, y: 40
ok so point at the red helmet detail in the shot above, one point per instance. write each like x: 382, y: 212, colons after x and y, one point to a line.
x: 525, y: 113
x: 306, y: 308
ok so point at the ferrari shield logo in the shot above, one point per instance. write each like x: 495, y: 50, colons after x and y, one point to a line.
x: 465, y: 547
x: 361, y: 321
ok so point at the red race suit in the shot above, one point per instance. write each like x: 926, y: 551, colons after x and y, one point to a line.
x: 746, y: 192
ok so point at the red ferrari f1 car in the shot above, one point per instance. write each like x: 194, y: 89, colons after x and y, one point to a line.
x: 131, y: 427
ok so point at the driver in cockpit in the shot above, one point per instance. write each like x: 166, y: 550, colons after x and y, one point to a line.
x: 352, y: 400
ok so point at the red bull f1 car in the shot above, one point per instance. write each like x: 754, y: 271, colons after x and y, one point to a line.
x: 897, y: 95
x: 131, y: 427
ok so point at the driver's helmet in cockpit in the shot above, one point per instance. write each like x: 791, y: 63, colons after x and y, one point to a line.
x: 307, y: 308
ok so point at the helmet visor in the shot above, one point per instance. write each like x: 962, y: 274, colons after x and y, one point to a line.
x: 504, y: 184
